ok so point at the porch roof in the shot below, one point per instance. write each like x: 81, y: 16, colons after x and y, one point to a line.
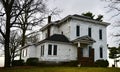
x: 84, y: 39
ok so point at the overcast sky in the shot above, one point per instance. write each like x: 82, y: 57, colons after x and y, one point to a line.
x: 79, y: 6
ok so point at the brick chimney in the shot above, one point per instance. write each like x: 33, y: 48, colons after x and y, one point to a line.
x: 49, y: 19
x: 48, y: 29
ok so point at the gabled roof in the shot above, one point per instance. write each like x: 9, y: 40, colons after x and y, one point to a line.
x: 77, y: 17
x: 84, y: 39
x: 55, y: 38
x: 58, y: 37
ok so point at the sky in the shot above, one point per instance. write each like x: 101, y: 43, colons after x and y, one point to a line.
x: 70, y: 7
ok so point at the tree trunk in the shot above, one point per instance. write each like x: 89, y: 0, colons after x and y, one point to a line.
x: 7, y: 36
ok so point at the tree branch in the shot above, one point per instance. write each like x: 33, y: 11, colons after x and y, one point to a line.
x: 2, y: 33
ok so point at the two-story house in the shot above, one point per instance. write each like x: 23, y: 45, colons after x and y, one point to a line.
x: 74, y: 37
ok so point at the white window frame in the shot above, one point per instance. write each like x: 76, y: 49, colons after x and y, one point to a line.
x: 52, y: 50
x: 42, y: 50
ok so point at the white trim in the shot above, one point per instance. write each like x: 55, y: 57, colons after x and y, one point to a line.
x: 78, y: 44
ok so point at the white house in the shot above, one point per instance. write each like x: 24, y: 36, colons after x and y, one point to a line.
x: 74, y: 37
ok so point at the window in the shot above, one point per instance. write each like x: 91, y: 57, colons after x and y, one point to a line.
x: 77, y: 30
x: 52, y: 50
x: 89, y: 32
x: 49, y: 49
x: 26, y: 52
x: 55, y: 50
x: 101, y: 52
x: 62, y: 32
x: 100, y: 34
x: 23, y: 53
x: 42, y: 50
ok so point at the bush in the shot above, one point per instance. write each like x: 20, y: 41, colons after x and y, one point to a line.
x: 101, y: 63
x: 18, y: 63
x: 32, y: 61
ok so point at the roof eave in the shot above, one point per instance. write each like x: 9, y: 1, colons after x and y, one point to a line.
x: 93, y: 21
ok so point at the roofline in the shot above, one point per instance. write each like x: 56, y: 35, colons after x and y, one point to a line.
x: 76, y: 40
x: 43, y: 41
x: 24, y: 47
x: 83, y: 18
x: 44, y: 27
x: 91, y: 20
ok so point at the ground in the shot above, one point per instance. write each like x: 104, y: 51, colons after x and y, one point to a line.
x: 59, y: 69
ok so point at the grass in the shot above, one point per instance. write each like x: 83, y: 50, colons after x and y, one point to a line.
x: 59, y: 69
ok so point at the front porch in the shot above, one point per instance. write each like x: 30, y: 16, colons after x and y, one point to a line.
x: 85, y: 52
x: 85, y: 61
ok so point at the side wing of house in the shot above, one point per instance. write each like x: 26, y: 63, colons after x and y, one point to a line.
x: 56, y: 51
x: 28, y: 52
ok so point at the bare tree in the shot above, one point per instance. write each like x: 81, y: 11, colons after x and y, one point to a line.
x: 34, y: 14
x: 7, y: 5
x: 14, y: 44
x: 28, y: 18
x: 18, y: 13
x: 114, y: 6
x: 9, y: 9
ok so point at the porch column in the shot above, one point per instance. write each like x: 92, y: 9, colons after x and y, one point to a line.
x: 79, y: 54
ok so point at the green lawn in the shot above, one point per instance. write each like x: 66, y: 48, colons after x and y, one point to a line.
x: 60, y: 69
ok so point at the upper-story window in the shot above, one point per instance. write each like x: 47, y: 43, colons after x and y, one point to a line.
x: 89, y: 32
x: 62, y: 32
x: 52, y: 49
x: 101, y: 52
x: 77, y: 30
x: 100, y: 34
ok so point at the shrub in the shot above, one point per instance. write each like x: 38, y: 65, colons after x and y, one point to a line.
x: 18, y: 63
x: 32, y: 61
x: 101, y: 63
